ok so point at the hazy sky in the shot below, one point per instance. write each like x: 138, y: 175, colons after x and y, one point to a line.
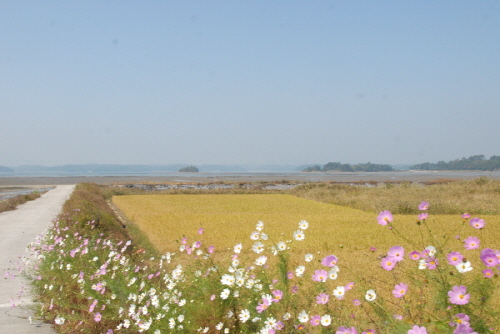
x: 248, y: 82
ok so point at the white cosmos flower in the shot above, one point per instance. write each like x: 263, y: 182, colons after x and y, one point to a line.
x: 303, y: 316
x: 244, y: 315
x: 287, y: 316
x: 258, y: 247
x: 261, y: 260
x: 464, y: 267
x: 219, y: 326
x: 255, y: 235
x: 300, y: 271
x: 237, y: 248
x: 227, y: 279
x: 225, y: 293
x: 339, y: 292
x: 422, y: 264
x: 303, y: 225
x: 332, y: 274
x: 299, y: 235
x: 308, y: 257
x: 326, y: 320
x: 259, y: 226
x: 281, y: 246
x: 270, y: 322
x: 59, y: 320
x: 264, y: 236
x: 370, y: 295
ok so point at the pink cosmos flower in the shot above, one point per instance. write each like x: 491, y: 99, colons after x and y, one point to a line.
x: 322, y: 298
x: 200, y: 231
x: 477, y: 223
x: 397, y: 253
x: 384, y: 217
x: 465, y: 216
x: 320, y: 275
x: 329, y: 261
x: 431, y: 263
x: 464, y: 329
x: 388, y: 263
x: 489, y: 259
x: 97, y: 317
x: 369, y: 331
x: 459, y: 319
x: 488, y: 273
x: 345, y: 330
x: 471, y: 243
x: 400, y: 290
x: 458, y: 295
x: 356, y: 302
x: 289, y: 275
x: 454, y: 258
x: 278, y: 295
x: 423, y: 206
x: 349, y: 286
x: 315, y: 320
x: 423, y: 216
x: 415, y: 255
x: 263, y: 306
x: 373, y: 249
x: 417, y: 330
x: 211, y: 249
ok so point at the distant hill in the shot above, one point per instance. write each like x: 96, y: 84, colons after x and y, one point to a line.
x: 4, y: 169
x: 474, y: 162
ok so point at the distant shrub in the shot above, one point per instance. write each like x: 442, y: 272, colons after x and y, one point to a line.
x: 189, y: 169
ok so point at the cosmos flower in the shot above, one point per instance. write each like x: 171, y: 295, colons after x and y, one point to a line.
x: 454, y: 258
x: 308, y: 257
x: 303, y: 225
x: 396, y: 252
x: 400, y: 290
x: 329, y: 261
x: 244, y: 315
x: 322, y: 298
x: 477, y: 223
x: 319, y: 275
x: 417, y: 330
x: 388, y: 263
x: 384, y: 217
x: 315, y: 320
x: 326, y: 320
x: 471, y: 243
x: 464, y: 267
x: 458, y: 295
x: 370, y: 295
x: 423, y: 206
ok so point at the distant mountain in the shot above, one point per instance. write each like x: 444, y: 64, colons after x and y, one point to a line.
x: 4, y: 169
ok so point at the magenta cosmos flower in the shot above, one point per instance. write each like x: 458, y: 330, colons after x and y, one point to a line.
x: 477, y: 223
x: 417, y: 330
x: 320, y: 275
x: 488, y: 273
x: 458, y: 295
x: 384, y: 217
x: 369, y: 331
x: 396, y: 252
x: 455, y: 258
x: 423, y: 216
x: 471, y: 243
x: 423, y: 206
x: 400, y: 290
x: 329, y: 261
x: 415, y: 255
x: 346, y: 330
x: 388, y: 263
x: 489, y: 258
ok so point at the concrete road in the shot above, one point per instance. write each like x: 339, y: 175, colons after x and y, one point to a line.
x: 18, y: 228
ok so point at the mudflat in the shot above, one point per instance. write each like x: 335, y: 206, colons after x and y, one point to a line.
x: 408, y: 176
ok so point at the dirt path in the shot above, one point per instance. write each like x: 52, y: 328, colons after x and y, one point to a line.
x: 18, y: 228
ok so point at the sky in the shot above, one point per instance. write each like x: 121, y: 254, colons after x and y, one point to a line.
x: 248, y: 82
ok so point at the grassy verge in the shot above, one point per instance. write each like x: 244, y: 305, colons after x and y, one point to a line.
x: 13, y: 202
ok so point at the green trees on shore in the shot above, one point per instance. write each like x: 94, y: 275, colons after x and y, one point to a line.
x: 362, y: 167
x: 189, y: 169
x: 475, y: 162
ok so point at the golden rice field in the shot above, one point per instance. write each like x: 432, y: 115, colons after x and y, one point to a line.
x: 333, y: 229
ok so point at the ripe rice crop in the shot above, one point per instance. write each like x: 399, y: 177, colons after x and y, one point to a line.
x: 229, y: 219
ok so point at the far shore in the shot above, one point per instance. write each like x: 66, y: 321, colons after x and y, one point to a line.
x: 300, y: 177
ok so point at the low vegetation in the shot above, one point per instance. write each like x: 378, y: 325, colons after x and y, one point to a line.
x: 307, y: 267
x: 13, y: 202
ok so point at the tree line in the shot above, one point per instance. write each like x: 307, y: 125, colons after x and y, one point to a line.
x: 475, y: 162
x: 362, y: 167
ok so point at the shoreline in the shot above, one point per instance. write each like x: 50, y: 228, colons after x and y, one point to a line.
x: 365, y: 177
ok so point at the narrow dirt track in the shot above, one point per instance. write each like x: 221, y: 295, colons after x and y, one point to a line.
x: 18, y: 228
